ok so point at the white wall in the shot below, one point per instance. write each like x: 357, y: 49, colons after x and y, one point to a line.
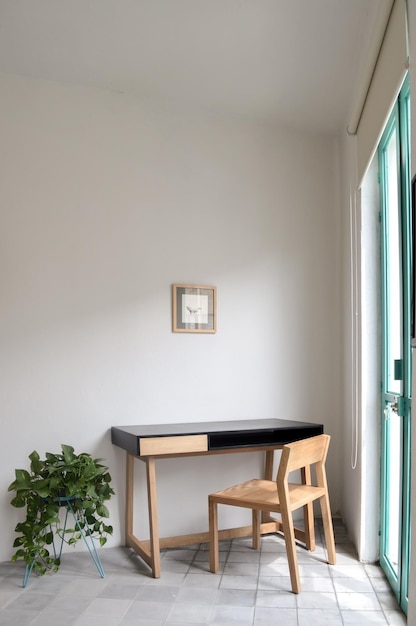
x: 104, y: 204
x: 361, y: 406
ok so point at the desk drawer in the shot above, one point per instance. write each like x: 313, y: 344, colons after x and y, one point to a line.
x: 180, y: 444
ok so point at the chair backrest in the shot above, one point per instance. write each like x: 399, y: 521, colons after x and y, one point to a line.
x: 303, y: 454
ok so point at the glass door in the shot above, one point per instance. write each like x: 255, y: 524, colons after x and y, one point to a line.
x: 396, y: 348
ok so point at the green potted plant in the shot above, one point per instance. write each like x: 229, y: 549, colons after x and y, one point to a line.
x: 76, y: 482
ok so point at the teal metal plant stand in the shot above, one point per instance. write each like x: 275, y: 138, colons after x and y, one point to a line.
x: 87, y: 538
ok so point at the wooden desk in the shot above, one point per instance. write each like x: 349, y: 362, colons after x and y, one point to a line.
x: 151, y: 442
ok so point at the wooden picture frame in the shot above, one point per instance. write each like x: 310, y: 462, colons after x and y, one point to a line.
x: 194, y: 308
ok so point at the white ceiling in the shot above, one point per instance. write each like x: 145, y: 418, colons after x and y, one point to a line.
x: 292, y: 61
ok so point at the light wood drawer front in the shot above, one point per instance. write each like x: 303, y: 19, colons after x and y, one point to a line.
x: 173, y: 445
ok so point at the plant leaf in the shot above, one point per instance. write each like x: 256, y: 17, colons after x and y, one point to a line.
x: 68, y: 453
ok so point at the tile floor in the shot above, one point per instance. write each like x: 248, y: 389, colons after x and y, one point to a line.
x: 252, y: 588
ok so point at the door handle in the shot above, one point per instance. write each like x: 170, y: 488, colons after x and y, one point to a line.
x: 393, y: 405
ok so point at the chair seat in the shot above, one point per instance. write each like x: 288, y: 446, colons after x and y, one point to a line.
x: 262, y: 495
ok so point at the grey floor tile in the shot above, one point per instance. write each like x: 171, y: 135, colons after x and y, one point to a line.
x: 90, y: 588
x: 104, y: 620
x: 236, y: 597
x: 224, y: 545
x: 202, y: 567
x: 318, y: 585
x: 156, y: 611
x: 395, y: 618
x: 252, y: 588
x: 50, y: 583
x: 13, y: 584
x: 197, y: 595
x: 120, y: 590
x: 7, y: 597
x: 9, y: 568
x: 358, y: 601
x: 170, y: 565
x: 352, y: 570
x: 153, y: 593
x: 387, y: 600
x: 203, y: 556
x: 244, y: 557
x: 142, y: 621
x: 272, y: 556
x: 243, y: 543
x: 315, y: 569
x: 135, y: 563
x: 317, y: 600
x: 364, y: 618
x: 239, y: 582
x: 202, y: 580
x: 18, y: 617
x: 273, y: 546
x: 109, y: 607
x: 186, y: 613
x: 347, y: 585
x: 243, y: 616
x: 284, y: 600
x: 270, y: 616
x: 320, y: 617
x: 69, y: 605
x: 139, y: 620
x: 174, y: 579
x: 317, y: 556
x: 30, y: 601
x: 380, y: 584
x: 128, y: 578
x: 276, y: 568
x: 275, y: 583
x: 241, y: 569
x: 53, y: 617
x: 346, y: 558
x: 180, y: 555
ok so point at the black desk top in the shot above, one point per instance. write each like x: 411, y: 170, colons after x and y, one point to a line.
x: 221, y: 434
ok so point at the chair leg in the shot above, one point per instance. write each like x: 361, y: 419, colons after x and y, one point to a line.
x: 308, y: 516
x: 309, y: 521
x: 289, y: 535
x: 328, y: 529
x: 213, y: 535
x: 256, y: 529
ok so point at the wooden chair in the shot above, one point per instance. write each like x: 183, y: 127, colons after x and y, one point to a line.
x: 283, y: 497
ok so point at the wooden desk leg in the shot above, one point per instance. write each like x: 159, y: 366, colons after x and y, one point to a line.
x: 153, y: 518
x: 268, y: 475
x: 268, y: 468
x: 129, y: 495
